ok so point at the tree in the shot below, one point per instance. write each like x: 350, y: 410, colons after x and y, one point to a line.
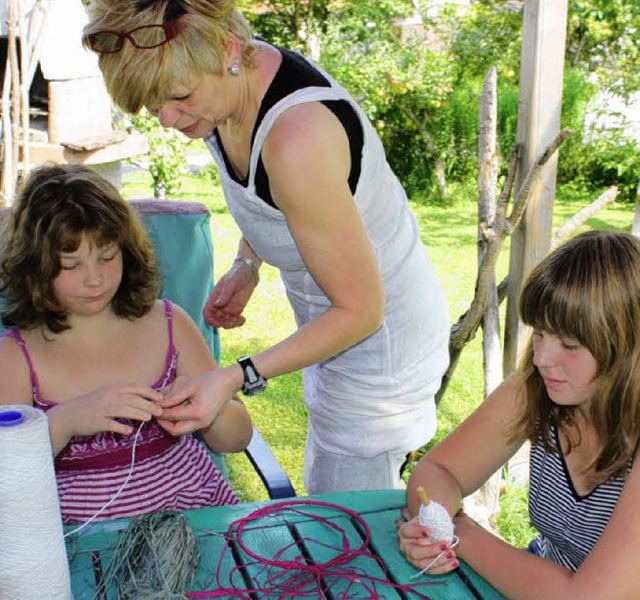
x: 419, y: 80
x: 603, y: 39
x: 364, y: 46
x: 167, y: 156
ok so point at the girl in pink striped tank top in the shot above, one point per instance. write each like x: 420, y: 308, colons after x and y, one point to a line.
x: 93, y: 346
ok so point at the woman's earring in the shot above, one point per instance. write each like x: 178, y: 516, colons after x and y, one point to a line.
x: 234, y: 69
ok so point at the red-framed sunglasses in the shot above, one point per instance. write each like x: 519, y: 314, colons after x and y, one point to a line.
x: 145, y: 37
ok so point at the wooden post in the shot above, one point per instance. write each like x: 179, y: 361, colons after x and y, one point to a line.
x: 14, y: 96
x: 487, y: 198
x: 19, y: 72
x: 484, y: 504
x: 541, y: 78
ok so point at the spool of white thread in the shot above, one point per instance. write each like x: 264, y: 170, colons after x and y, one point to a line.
x: 33, y: 558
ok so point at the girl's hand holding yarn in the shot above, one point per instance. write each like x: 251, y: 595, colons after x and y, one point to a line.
x: 102, y: 410
x: 436, y: 517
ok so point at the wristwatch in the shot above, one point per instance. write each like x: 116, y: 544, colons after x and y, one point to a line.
x: 254, y: 383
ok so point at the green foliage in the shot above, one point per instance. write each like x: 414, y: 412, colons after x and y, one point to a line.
x: 302, y: 24
x: 508, y: 99
x: 209, y: 175
x: 513, y: 520
x: 167, y: 163
x: 603, y: 39
x: 427, y: 113
x: 578, y: 92
x: 489, y: 34
x: 601, y: 158
x: 420, y: 86
x: 361, y: 45
x: 614, y: 163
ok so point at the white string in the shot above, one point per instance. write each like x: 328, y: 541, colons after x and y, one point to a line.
x: 33, y: 558
x: 456, y: 539
x: 130, y: 473
x: 124, y: 485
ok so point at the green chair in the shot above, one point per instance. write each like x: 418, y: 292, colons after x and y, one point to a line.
x: 182, y: 236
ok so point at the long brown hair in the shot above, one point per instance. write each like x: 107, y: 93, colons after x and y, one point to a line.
x: 588, y: 290
x: 57, y: 205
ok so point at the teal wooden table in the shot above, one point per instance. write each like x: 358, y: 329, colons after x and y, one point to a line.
x: 301, y: 531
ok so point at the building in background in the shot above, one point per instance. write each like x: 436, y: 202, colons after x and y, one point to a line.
x: 70, y: 111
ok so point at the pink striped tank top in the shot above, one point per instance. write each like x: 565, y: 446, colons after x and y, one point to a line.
x: 169, y: 473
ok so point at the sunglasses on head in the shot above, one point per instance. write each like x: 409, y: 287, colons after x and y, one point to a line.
x: 145, y: 37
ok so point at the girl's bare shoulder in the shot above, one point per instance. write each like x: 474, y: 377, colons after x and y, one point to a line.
x: 15, y: 381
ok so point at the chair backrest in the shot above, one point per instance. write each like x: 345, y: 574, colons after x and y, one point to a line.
x: 181, y: 234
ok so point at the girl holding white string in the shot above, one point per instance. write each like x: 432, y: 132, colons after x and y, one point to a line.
x: 93, y: 346
x: 576, y: 397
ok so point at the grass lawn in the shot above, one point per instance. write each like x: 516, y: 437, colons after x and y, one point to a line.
x: 449, y: 233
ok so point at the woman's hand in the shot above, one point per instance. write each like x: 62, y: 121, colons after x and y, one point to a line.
x: 202, y: 405
x: 194, y: 404
x: 229, y: 297
x: 101, y: 411
x: 420, y: 551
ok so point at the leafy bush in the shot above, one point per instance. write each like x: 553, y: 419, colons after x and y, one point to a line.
x: 577, y: 93
x: 612, y: 162
x: 420, y: 85
x: 167, y: 157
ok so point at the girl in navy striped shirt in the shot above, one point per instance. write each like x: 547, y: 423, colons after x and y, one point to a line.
x: 576, y: 398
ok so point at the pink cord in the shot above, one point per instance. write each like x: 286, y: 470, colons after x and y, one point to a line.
x: 303, y: 578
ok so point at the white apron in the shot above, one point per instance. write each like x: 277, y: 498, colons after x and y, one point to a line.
x: 377, y: 396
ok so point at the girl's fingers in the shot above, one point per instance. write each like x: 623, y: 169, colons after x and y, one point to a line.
x: 444, y: 565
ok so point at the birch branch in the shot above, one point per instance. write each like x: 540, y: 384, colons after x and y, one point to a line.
x: 580, y: 217
x: 495, y: 234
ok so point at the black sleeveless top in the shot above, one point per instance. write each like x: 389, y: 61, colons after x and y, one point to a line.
x: 293, y: 74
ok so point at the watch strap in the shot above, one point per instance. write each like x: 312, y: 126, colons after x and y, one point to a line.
x: 254, y: 383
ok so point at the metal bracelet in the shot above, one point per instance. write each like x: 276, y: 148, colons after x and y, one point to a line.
x: 251, y: 264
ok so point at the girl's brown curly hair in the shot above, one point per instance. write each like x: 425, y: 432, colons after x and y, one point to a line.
x: 56, y: 206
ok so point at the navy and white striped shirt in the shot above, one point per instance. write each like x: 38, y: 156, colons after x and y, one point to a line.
x: 569, y: 524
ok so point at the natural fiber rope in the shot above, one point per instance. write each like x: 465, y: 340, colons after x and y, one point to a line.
x: 155, y: 558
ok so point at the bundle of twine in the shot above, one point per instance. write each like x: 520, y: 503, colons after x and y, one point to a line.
x: 155, y: 558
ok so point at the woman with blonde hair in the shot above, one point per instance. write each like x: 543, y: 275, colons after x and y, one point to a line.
x: 306, y: 179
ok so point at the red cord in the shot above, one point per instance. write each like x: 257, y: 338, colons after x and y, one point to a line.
x: 298, y: 578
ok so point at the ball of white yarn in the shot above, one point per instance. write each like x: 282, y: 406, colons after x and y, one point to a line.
x: 437, y: 519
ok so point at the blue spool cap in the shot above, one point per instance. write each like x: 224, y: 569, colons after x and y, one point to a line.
x: 9, y: 418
